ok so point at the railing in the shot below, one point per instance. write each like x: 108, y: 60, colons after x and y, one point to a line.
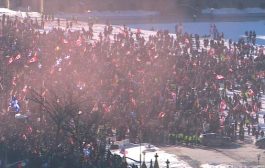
x: 143, y: 165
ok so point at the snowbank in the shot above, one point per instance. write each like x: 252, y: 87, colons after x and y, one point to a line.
x: 18, y: 13
x: 7, y: 11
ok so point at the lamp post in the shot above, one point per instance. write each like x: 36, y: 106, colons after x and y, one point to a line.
x: 167, y: 162
x: 144, y: 165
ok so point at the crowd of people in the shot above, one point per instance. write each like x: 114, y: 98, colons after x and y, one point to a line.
x: 144, y: 88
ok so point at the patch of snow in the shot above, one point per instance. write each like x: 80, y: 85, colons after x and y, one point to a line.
x: 19, y: 13
x: 134, y: 151
x: 216, y: 166
x: 232, y: 30
x: 261, y: 37
x: 7, y: 11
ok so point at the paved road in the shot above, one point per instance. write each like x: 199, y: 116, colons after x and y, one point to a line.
x: 237, y: 155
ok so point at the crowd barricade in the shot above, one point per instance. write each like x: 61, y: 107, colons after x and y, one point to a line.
x: 181, y: 138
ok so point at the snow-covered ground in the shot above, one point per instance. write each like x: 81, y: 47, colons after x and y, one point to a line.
x: 18, y: 13
x: 232, y: 30
x: 133, y: 151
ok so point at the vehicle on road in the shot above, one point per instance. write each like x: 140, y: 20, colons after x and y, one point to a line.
x: 213, y: 139
x: 260, y: 143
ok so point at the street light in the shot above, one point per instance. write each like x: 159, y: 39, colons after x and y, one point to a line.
x: 143, y: 165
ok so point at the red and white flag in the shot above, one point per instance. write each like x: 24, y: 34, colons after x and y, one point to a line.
x: 161, y: 114
x: 223, y: 105
x: 133, y: 102
x: 18, y: 57
x: 95, y: 108
x: 79, y: 41
x: 33, y: 59
x: 219, y: 77
x: 106, y: 108
x: 211, y: 52
x: 250, y: 93
x: 14, y: 81
x: 65, y: 41
x: 25, y: 89
x: 11, y: 59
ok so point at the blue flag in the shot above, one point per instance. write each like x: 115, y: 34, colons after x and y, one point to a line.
x: 14, y: 104
x: 87, y: 152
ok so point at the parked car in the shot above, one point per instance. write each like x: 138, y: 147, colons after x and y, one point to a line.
x: 260, y: 143
x: 213, y: 139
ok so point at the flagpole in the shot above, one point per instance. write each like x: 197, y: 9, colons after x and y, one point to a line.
x: 140, y: 139
x: 140, y: 146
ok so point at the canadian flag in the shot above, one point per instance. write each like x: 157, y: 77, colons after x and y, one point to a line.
x: 250, y: 93
x: 255, y: 108
x: 95, y: 108
x: 161, y: 114
x: 223, y: 105
x: 133, y: 102
x: 11, y: 59
x: 14, y: 81
x: 29, y: 130
x: 33, y: 59
x: 106, y: 108
x: 79, y: 41
x: 174, y: 96
x: 18, y: 57
x: 25, y: 89
x: 211, y: 52
x: 44, y: 93
x: 65, y: 41
x: 219, y: 77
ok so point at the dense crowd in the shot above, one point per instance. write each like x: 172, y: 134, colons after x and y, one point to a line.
x: 144, y: 88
